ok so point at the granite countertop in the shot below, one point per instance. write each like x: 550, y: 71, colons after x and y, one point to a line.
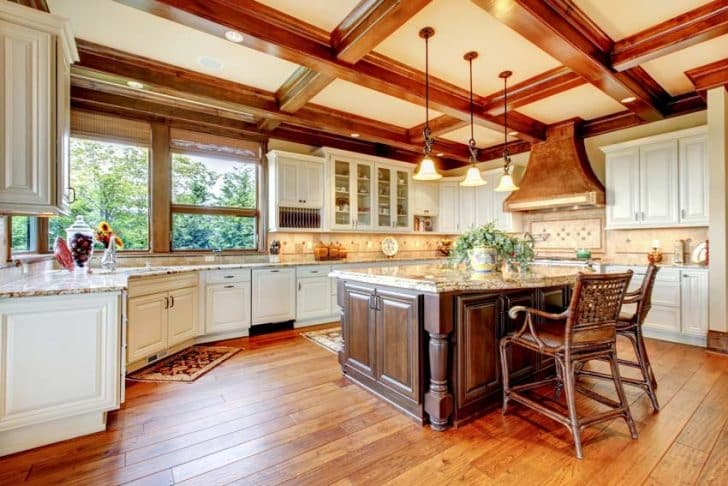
x: 437, y: 278
x: 63, y: 282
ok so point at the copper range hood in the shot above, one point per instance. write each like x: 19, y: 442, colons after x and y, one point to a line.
x: 558, y: 174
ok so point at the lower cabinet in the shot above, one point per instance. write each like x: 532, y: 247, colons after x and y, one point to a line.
x: 227, y: 307
x: 147, y: 335
x: 182, y: 315
x: 694, y: 302
x: 274, y: 295
x: 313, y: 300
x: 59, y: 359
x: 382, y: 328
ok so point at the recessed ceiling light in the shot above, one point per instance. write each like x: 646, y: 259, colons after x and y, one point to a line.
x: 135, y: 84
x: 210, y: 63
x: 234, y: 36
x: 512, y: 134
x: 440, y: 154
x: 629, y: 99
x: 355, y: 135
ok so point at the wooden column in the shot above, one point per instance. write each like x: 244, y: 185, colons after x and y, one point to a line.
x: 438, y: 323
x: 160, y: 221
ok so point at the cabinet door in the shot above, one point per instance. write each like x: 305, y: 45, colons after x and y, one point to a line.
x: 398, y: 343
x: 359, y: 328
x: 478, y: 329
x: 147, y: 328
x: 385, y: 194
x: 401, y: 204
x: 484, y: 212
x: 503, y: 219
x: 623, y: 188
x: 658, y: 184
x: 693, y: 176
x: 60, y: 357
x: 447, y: 219
x: 343, y: 211
x: 288, y: 183
x: 227, y: 307
x: 364, y: 196
x: 314, y: 298
x: 521, y: 361
x: 425, y: 195
x: 27, y: 148
x: 694, y: 302
x: 64, y: 195
x: 310, y: 184
x: 467, y: 208
x: 274, y: 295
x: 182, y: 316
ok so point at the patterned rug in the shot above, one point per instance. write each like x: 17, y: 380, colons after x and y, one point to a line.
x: 185, y: 366
x: 328, y: 338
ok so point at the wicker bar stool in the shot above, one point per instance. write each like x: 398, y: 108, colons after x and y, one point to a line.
x: 630, y: 326
x: 585, y: 331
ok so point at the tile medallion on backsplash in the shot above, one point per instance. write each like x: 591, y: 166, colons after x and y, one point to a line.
x: 568, y: 234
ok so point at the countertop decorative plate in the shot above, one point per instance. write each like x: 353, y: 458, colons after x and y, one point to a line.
x: 390, y: 247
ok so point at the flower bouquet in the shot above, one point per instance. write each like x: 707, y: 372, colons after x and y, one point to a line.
x: 105, y: 235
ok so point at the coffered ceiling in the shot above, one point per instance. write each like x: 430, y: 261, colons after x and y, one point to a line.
x: 320, y: 71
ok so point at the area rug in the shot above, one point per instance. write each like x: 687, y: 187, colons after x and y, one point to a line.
x: 185, y: 366
x: 327, y: 338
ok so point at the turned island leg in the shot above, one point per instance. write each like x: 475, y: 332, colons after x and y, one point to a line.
x: 438, y: 323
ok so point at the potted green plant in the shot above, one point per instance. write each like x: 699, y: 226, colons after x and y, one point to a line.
x: 484, y: 247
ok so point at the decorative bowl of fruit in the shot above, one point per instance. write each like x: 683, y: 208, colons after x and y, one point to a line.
x: 80, y: 240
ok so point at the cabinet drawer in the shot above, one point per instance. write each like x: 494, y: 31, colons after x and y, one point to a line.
x: 663, y: 318
x: 666, y: 293
x: 313, y: 271
x: 228, y: 276
x: 152, y: 285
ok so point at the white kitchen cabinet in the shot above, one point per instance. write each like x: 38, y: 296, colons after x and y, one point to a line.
x: 60, y: 359
x: 503, y: 219
x: 693, y: 177
x: 352, y: 194
x: 448, y: 207
x: 37, y: 50
x: 273, y: 295
x: 182, y: 316
x: 466, y: 211
x: 658, y: 182
x: 393, y: 198
x: 314, y: 298
x: 426, y: 198
x: 694, y: 302
x: 623, y: 188
x: 227, y: 307
x: 147, y: 333
x: 296, y: 190
x: 484, y: 210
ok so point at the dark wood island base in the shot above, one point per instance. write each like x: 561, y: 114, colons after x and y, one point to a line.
x: 434, y: 354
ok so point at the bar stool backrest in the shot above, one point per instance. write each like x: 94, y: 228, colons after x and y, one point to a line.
x: 645, y: 303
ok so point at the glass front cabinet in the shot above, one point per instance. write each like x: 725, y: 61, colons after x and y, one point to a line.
x: 369, y: 196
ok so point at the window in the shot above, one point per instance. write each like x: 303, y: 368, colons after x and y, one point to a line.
x: 111, y: 182
x: 214, y: 202
x: 23, y: 234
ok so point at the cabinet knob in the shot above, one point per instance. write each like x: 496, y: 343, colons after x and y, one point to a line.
x: 229, y: 287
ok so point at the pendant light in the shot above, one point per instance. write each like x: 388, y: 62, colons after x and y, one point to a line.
x: 426, y: 171
x: 506, y: 183
x: 472, y: 177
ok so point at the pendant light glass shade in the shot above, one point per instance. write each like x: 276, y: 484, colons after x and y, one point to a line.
x: 506, y: 184
x: 473, y: 178
x: 426, y: 171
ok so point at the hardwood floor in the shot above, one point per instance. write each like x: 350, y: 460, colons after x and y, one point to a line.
x: 280, y: 412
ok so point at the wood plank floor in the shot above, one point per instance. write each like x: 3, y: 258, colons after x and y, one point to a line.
x: 280, y: 412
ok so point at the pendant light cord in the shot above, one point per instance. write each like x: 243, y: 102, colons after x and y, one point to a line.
x: 471, y: 142
x: 426, y: 131
x: 506, y: 153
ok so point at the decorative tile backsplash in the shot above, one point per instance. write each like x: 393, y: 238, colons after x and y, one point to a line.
x: 568, y: 234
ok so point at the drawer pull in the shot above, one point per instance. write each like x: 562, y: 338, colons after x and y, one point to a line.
x: 229, y: 287
x: 274, y: 271
x: 229, y: 276
x: 314, y: 271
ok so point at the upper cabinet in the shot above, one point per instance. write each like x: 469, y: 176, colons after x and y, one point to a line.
x: 426, y: 198
x: 658, y: 182
x: 296, y: 194
x: 37, y: 52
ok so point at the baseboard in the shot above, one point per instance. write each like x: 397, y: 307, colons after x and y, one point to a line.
x: 24, y: 438
x: 718, y: 341
x: 675, y: 337
x: 207, y: 338
x: 318, y: 321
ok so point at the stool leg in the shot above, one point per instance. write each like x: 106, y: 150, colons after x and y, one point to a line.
x: 648, y: 365
x: 624, y: 405
x: 643, y: 360
x: 560, y: 380
x: 570, y: 389
x: 504, y: 369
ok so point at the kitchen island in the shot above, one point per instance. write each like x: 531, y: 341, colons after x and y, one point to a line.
x: 425, y: 337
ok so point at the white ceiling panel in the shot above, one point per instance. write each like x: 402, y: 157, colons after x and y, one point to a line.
x: 484, y: 137
x: 115, y: 25
x: 325, y: 14
x: 585, y: 101
x: 460, y: 26
x: 622, y: 18
x: 351, y: 98
x: 669, y: 70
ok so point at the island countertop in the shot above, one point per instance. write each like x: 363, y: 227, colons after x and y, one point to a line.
x: 438, y: 278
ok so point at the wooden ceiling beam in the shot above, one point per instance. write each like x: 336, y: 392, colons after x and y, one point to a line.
x: 564, y: 32
x: 275, y: 33
x: 709, y: 76
x: 685, y: 30
x: 438, y: 126
x: 368, y: 24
